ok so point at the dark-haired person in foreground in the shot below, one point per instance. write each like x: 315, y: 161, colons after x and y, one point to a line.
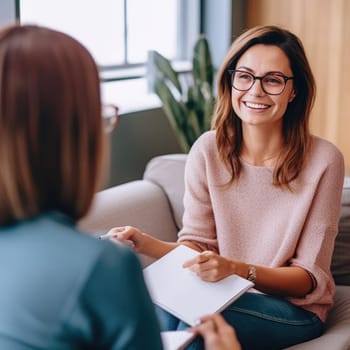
x: 60, y: 289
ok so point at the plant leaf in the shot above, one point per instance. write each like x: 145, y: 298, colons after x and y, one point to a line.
x: 165, y: 70
x: 188, y: 118
x: 175, y: 112
x: 203, y: 69
x: 193, y: 127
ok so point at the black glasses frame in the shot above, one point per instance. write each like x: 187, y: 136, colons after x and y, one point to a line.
x: 110, y: 116
x: 284, y: 77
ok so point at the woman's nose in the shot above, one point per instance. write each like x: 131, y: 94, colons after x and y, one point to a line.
x: 256, y: 89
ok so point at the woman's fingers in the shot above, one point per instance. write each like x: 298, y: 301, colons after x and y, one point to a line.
x: 199, y: 259
x: 217, y: 333
x: 122, y: 234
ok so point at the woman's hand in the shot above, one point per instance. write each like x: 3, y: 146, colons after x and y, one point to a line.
x: 210, y: 266
x: 141, y: 242
x: 130, y: 236
x: 217, y: 333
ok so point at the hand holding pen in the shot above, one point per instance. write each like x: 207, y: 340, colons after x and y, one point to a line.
x: 211, y: 267
x: 141, y: 242
x: 117, y: 235
x: 132, y: 236
x: 217, y: 333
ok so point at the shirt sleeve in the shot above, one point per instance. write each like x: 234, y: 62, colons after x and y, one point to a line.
x: 198, y: 219
x: 315, y: 247
x: 114, y: 310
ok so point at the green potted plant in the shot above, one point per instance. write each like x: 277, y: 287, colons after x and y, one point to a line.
x: 188, y: 108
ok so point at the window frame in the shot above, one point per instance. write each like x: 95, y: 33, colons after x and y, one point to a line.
x: 189, y: 18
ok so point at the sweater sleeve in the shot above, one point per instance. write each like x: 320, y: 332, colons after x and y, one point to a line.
x: 114, y: 310
x: 315, y: 247
x: 198, y: 220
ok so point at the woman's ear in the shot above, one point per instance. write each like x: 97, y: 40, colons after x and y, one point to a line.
x: 292, y: 95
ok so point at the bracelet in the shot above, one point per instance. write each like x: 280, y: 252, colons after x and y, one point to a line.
x: 251, y: 273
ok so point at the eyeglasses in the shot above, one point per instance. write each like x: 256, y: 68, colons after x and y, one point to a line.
x: 110, y: 117
x: 271, y: 83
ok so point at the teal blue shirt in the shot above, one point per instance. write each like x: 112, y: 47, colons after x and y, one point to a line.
x: 60, y: 289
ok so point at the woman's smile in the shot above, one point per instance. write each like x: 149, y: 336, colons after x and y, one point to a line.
x: 256, y: 106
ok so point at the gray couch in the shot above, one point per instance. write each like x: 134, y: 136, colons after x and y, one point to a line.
x: 155, y: 205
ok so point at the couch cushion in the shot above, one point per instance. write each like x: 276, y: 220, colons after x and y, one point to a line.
x: 341, y: 256
x: 167, y: 171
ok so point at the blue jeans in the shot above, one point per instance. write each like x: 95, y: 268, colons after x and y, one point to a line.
x: 261, y: 322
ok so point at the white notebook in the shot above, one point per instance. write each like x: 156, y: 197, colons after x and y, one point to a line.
x: 176, y: 340
x: 183, y: 293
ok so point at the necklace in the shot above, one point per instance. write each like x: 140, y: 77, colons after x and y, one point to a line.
x: 266, y: 161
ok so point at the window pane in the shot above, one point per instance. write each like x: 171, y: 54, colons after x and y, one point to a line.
x: 168, y: 26
x: 152, y: 24
x: 97, y: 24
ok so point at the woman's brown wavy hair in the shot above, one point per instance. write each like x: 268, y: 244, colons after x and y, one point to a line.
x: 51, y: 134
x: 296, y: 131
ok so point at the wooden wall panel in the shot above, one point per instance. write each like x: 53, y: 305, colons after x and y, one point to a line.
x: 323, y: 27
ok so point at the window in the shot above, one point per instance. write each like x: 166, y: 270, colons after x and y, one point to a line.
x: 119, y: 33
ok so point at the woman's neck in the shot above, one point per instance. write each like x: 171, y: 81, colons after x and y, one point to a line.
x: 261, y: 149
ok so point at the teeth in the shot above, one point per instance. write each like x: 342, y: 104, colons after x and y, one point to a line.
x: 256, y: 105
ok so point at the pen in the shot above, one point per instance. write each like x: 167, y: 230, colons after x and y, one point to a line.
x: 108, y: 235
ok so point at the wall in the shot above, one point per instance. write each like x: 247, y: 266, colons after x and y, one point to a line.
x: 137, y: 138
x: 324, y: 28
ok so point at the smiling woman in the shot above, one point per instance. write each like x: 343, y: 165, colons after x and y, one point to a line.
x: 262, y: 103
x: 263, y: 195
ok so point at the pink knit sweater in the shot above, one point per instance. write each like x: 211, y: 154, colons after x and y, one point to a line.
x: 261, y: 224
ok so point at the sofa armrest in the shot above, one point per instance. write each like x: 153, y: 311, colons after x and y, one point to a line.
x: 139, y: 203
x: 337, y: 333
x: 167, y: 171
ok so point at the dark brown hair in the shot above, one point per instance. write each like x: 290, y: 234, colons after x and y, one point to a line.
x: 296, y: 131
x: 50, y: 124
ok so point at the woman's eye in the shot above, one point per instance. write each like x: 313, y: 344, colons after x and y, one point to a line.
x: 244, y: 76
x: 273, y: 80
